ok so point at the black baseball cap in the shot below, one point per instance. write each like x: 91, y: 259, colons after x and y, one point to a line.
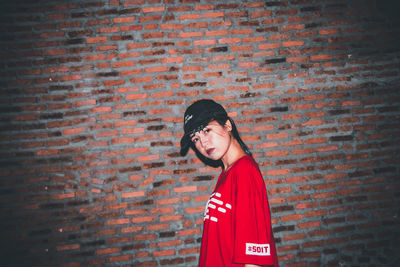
x: 197, y: 116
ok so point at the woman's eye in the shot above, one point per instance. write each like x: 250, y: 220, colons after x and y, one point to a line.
x: 206, y: 130
x: 194, y: 140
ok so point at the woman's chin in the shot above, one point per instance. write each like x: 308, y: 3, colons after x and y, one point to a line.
x: 213, y: 157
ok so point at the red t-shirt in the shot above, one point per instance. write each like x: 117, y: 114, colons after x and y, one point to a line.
x: 237, y: 220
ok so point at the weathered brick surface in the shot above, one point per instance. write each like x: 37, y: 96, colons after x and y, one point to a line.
x: 91, y: 109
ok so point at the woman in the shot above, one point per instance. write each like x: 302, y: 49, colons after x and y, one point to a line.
x: 237, y: 223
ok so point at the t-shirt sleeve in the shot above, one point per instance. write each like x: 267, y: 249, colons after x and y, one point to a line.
x: 253, y: 240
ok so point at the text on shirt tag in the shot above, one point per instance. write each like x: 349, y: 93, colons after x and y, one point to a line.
x: 258, y: 249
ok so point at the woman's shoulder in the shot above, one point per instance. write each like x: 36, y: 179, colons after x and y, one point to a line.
x: 246, y: 162
x: 246, y: 172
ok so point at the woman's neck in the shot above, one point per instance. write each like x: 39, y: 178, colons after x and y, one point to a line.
x: 234, y: 153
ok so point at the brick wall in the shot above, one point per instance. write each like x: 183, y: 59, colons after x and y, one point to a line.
x: 92, y: 99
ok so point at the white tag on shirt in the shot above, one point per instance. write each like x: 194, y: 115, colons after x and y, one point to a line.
x: 258, y: 249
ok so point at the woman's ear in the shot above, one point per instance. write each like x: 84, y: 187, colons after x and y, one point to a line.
x: 228, y: 125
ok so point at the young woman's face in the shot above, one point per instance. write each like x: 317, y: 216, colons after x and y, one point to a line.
x: 213, y: 141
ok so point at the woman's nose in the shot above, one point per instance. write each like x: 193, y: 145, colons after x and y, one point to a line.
x: 203, y: 140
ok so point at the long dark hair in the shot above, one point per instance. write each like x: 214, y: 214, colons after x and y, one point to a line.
x: 235, y: 133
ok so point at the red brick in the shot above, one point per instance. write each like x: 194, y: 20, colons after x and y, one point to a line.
x: 299, y: 236
x: 189, y: 17
x: 94, y: 40
x: 320, y: 57
x: 68, y: 247
x: 47, y: 152
x: 185, y: 189
x: 132, y: 194
x: 189, y: 250
x: 72, y: 131
x: 143, y: 219
x: 108, y: 251
x: 328, y: 31
x: 294, y: 217
x: 260, y: 14
x: 153, y: 9
x: 170, y: 218
x: 63, y: 196
x: 316, y: 213
x: 120, y: 258
x: 277, y: 153
x: 212, y: 15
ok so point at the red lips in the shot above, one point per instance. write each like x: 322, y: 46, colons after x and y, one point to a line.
x: 210, y: 150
